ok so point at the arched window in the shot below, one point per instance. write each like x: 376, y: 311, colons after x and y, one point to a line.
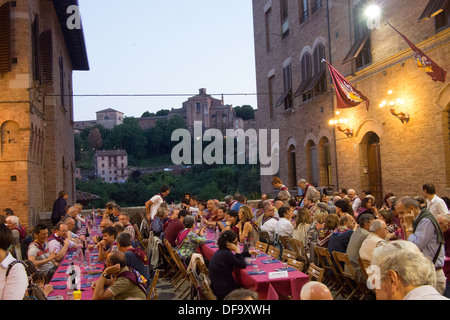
x: 325, y: 162
x: 10, y: 140
x: 306, y: 75
x: 311, y: 159
x: 292, y: 167
x: 319, y: 85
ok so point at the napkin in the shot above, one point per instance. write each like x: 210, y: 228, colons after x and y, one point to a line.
x: 270, y: 262
x: 253, y: 273
x: 214, y: 246
x: 61, y: 287
x: 289, y: 269
x: 58, y: 279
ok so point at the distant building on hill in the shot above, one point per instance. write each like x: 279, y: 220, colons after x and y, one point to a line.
x: 108, y: 118
x: 111, y: 165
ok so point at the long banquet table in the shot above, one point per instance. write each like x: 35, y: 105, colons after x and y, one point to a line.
x: 290, y: 286
x: 89, y: 274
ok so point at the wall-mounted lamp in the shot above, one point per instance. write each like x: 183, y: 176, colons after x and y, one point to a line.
x: 340, y: 124
x: 393, y: 104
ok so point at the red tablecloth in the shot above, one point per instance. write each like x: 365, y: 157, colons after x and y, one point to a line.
x: 290, y: 286
x: 447, y: 268
x: 59, y: 280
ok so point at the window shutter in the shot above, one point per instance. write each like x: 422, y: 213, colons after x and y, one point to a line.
x: 5, y: 37
x: 46, y: 56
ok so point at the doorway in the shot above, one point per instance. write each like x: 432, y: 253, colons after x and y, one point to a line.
x: 374, y: 166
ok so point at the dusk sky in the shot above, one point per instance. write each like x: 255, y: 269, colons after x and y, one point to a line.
x: 164, y: 47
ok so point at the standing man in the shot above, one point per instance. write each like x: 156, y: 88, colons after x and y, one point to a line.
x: 308, y: 191
x: 422, y: 229
x: 435, y: 204
x: 58, y: 207
x: 152, y: 205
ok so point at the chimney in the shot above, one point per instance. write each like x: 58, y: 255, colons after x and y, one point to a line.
x: 202, y: 91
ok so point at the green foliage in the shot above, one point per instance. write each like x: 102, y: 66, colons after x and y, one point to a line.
x: 207, y: 182
x: 245, y: 112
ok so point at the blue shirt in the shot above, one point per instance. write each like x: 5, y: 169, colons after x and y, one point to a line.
x: 425, y: 238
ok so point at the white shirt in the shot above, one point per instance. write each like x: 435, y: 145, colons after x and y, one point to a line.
x: 284, y: 228
x: 356, y: 203
x: 269, y: 227
x: 54, y: 245
x: 369, y: 244
x: 424, y: 293
x: 15, y: 286
x: 156, y: 202
x: 437, y: 206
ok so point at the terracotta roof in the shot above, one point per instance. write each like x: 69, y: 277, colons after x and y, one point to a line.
x: 111, y: 153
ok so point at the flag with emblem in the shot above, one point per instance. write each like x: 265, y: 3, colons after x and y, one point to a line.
x: 347, y: 95
x: 423, y: 61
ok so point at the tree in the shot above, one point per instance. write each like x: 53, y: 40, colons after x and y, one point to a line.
x: 94, y: 139
x: 245, y: 112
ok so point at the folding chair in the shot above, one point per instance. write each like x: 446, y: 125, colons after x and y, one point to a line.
x: 140, y: 238
x: 285, y: 242
x: 171, y: 266
x: 273, y: 252
x: 363, y: 265
x: 350, y: 277
x: 315, y: 272
x: 152, y: 294
x: 296, y: 264
x: 332, y: 277
x: 299, y: 248
x: 182, y: 272
x: 288, y: 254
x: 265, y: 237
x: 261, y: 246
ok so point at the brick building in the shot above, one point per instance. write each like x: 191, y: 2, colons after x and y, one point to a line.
x: 111, y: 165
x: 295, y: 93
x: 108, y: 118
x: 38, y: 53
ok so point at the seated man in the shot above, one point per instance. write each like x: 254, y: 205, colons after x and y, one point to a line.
x: 59, y: 243
x: 377, y: 237
x: 175, y: 227
x: 39, y: 254
x: 103, y: 225
x: 135, y: 257
x: 128, y: 284
x: 284, y: 226
x: 269, y: 221
x: 107, y: 244
x: 124, y: 218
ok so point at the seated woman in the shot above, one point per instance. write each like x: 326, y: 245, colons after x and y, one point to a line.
x: 188, y: 240
x: 331, y: 223
x: 232, y: 219
x: 367, y: 206
x: 223, y: 263
x: 303, y: 221
x: 247, y: 228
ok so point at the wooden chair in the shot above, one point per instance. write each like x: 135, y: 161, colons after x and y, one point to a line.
x: 333, y: 279
x: 350, y: 277
x: 288, y: 254
x: 285, y: 242
x: 273, y: 252
x: 363, y: 265
x: 299, y: 248
x: 170, y: 264
x: 208, y: 294
x: 152, y: 292
x: 261, y: 246
x: 182, y: 272
x: 265, y: 237
x: 140, y: 238
x: 296, y: 264
x: 315, y: 272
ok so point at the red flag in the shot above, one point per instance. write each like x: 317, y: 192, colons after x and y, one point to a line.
x: 347, y: 95
x: 423, y: 61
